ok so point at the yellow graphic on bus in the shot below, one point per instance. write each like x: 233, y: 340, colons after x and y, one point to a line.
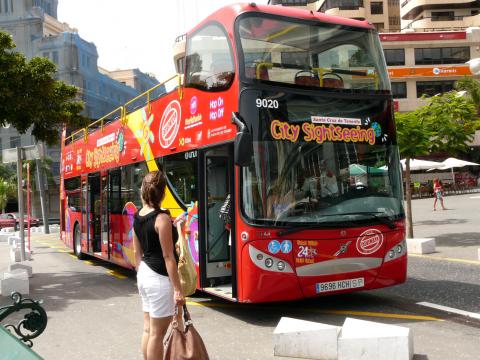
x: 139, y: 123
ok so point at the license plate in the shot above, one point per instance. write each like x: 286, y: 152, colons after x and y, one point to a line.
x: 339, y: 285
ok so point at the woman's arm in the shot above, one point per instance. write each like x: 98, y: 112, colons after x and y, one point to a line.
x: 163, y: 225
x: 137, y: 250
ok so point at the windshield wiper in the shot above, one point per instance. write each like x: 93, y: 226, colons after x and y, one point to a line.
x: 295, y: 229
x: 384, y: 220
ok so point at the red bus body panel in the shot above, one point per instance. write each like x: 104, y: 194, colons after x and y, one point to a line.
x: 197, y: 119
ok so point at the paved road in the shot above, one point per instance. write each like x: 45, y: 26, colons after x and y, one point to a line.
x: 94, y: 309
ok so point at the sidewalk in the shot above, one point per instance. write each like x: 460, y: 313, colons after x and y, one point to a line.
x: 85, y: 303
x: 456, y: 230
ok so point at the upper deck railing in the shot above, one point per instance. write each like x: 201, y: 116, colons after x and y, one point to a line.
x: 122, y: 112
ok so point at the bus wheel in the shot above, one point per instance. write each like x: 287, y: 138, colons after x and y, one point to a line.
x: 77, y: 242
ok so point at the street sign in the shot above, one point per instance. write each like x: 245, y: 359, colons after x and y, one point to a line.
x: 9, y: 155
x: 31, y: 152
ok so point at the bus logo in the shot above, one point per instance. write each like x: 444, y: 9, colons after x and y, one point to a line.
x: 369, y: 241
x: 193, y: 105
x: 169, y: 124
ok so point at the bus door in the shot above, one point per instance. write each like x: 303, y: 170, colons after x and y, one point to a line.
x: 94, y: 208
x: 104, y: 216
x: 216, y: 256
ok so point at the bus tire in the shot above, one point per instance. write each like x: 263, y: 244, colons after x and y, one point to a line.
x: 77, y: 242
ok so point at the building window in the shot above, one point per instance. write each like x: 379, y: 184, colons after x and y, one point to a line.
x: 394, y: 57
x: 15, y: 141
x: 432, y: 88
x: 5, y: 3
x: 443, y: 15
x: 55, y: 57
x: 399, y: 90
x: 379, y: 26
x: 341, y: 5
x: 376, y: 8
x: 394, y: 20
x: 450, y: 55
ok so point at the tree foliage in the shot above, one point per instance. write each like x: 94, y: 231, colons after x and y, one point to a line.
x: 30, y: 97
x: 472, y: 87
x: 8, y: 190
x: 446, y: 123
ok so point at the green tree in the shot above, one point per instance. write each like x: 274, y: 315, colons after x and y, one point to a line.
x: 8, y: 190
x: 472, y: 87
x: 446, y: 123
x: 30, y: 97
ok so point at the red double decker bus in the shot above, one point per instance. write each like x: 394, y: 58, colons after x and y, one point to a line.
x: 282, y: 116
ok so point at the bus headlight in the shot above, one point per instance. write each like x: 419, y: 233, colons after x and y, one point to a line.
x: 396, y: 251
x: 268, y: 262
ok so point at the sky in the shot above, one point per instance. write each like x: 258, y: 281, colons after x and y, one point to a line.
x: 136, y: 33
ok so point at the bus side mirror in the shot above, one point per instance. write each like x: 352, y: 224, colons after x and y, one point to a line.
x: 243, y: 146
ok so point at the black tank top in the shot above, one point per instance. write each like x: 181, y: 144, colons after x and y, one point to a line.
x: 144, y: 227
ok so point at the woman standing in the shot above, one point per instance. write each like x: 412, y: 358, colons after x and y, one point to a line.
x: 437, y: 193
x: 156, y: 265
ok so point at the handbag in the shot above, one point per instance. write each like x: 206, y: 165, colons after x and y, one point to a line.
x: 187, y: 271
x: 184, y: 344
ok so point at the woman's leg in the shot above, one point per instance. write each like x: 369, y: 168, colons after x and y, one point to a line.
x: 441, y: 202
x: 435, y: 203
x: 158, y: 329
x: 146, y: 334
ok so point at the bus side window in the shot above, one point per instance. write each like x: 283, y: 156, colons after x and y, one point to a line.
x: 181, y: 171
x: 209, y: 60
x: 72, y: 188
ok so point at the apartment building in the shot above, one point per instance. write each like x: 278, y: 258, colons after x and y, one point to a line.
x: 37, y: 32
x: 383, y: 14
x: 427, y: 63
x: 438, y: 15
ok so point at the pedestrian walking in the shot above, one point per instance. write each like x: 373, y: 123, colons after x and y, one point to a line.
x: 156, y: 264
x: 438, y: 194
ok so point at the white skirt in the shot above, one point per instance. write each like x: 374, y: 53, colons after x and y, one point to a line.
x: 156, y: 292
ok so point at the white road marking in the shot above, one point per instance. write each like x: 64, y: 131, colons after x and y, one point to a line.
x: 451, y: 310
x: 474, y: 197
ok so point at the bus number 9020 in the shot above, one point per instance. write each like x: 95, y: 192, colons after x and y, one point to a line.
x: 267, y: 103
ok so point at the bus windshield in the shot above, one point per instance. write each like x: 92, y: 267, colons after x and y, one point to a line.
x: 304, y: 182
x: 311, y: 54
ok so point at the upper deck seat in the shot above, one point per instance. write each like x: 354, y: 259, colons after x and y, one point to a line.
x: 251, y: 72
x: 307, y: 80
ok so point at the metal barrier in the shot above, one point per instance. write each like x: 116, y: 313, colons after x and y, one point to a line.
x: 32, y: 324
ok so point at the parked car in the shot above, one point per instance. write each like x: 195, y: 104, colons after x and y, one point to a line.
x: 7, y: 221
x: 12, y: 220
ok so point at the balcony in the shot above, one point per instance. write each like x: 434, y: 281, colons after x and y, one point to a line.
x: 410, y: 9
x: 443, y: 23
